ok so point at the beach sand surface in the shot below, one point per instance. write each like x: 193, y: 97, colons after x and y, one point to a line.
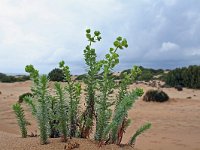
x: 175, y: 123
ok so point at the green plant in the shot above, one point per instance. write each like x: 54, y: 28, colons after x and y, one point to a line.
x: 61, y: 109
x: 120, y: 119
x: 106, y: 85
x: 21, y: 119
x: 74, y: 90
x: 21, y: 97
x: 107, y: 129
x: 53, y: 117
x: 93, y: 67
x: 139, y: 131
x: 56, y: 75
x: 155, y: 95
x: 41, y: 103
x: 62, y: 114
x: 124, y: 102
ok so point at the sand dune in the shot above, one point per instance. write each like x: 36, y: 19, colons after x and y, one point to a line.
x: 175, y: 124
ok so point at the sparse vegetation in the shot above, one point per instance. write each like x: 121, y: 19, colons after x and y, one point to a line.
x: 59, y: 110
x: 156, y: 96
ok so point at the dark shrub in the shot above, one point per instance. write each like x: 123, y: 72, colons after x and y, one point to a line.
x: 155, y: 95
x: 21, y: 97
x: 56, y: 75
x: 2, y: 75
x: 9, y: 79
x: 146, y: 76
x: 81, y: 77
x: 23, y: 78
x: 179, y: 88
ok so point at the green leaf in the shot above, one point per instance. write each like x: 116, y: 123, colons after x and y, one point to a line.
x: 87, y: 30
x: 119, y: 38
x: 61, y: 64
x: 92, y: 39
x: 124, y: 42
x: 111, y: 50
x: 97, y: 33
x: 116, y: 43
x: 88, y: 35
x: 120, y: 47
x: 107, y: 56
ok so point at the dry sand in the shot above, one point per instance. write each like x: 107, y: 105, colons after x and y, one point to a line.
x: 175, y: 124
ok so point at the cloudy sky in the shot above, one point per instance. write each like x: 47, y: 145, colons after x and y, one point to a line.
x: 160, y: 33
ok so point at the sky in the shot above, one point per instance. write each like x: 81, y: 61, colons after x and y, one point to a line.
x: 160, y: 33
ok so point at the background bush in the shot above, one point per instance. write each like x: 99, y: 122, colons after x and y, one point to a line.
x: 81, y: 77
x: 10, y: 79
x: 186, y: 77
x: 146, y: 75
x: 155, y: 95
x: 2, y: 75
x: 56, y: 75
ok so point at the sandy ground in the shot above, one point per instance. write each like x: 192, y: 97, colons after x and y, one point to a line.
x: 175, y: 124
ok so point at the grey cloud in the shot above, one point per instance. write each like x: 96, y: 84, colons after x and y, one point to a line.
x: 161, y: 34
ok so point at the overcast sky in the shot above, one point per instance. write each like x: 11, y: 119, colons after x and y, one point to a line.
x: 160, y: 33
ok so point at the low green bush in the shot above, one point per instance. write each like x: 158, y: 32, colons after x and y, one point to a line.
x: 81, y: 77
x: 155, y: 95
x: 2, y: 75
x: 10, y: 79
x: 186, y: 77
